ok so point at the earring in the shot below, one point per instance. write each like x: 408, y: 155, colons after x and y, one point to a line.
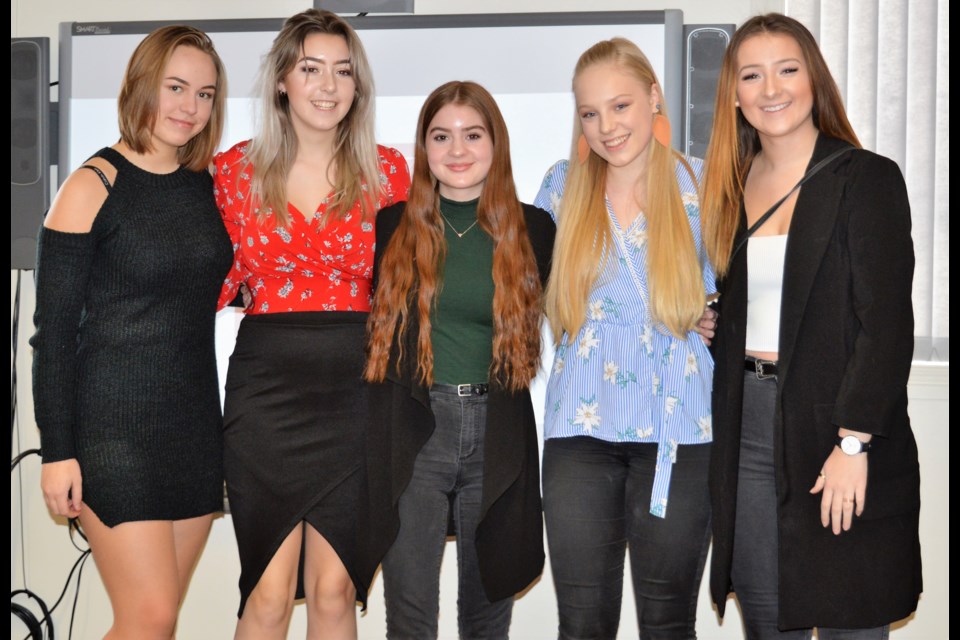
x: 736, y: 103
x: 583, y: 149
x: 661, y: 129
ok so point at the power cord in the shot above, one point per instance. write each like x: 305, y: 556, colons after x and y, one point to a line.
x: 42, y: 628
x: 35, y: 626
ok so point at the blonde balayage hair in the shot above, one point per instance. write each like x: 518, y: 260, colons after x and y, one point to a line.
x: 139, y: 97
x: 584, y: 233
x: 273, y: 150
x: 734, y: 142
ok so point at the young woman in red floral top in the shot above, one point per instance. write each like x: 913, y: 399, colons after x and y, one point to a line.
x: 299, y: 201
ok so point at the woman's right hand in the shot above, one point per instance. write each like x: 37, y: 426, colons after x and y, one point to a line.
x: 62, y: 487
x: 707, y: 325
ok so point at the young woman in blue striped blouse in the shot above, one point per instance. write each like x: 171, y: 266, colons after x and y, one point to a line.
x: 627, y: 422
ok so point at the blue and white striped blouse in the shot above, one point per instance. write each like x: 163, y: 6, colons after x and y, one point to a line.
x: 623, y: 379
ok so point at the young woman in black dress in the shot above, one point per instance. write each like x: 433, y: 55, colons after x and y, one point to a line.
x: 132, y: 255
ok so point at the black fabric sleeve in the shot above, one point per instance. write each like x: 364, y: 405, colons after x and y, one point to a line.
x: 542, y: 232
x: 882, y: 263
x: 63, y: 269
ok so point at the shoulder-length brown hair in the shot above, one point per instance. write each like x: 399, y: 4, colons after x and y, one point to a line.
x: 356, y: 175
x: 409, y: 275
x: 734, y: 142
x: 140, y: 94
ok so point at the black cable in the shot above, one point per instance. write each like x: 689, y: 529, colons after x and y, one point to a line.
x: 76, y: 596
x: 48, y: 614
x: 13, y: 372
x: 21, y: 456
x: 361, y: 14
x: 35, y: 626
x: 74, y: 524
x: 28, y: 619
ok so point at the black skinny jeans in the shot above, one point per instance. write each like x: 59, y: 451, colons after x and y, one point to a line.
x: 596, y: 498
x: 755, y: 572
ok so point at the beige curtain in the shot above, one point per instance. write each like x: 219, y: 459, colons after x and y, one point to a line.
x: 891, y: 61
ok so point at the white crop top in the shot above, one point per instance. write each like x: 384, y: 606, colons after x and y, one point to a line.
x: 765, y: 255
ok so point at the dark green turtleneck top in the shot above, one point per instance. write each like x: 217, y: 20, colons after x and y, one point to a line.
x: 462, y: 318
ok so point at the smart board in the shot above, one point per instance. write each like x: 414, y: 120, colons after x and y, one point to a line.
x: 525, y: 60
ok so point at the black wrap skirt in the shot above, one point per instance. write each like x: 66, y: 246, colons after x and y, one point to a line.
x: 295, y: 420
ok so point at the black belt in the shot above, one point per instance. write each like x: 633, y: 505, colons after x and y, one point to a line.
x: 763, y: 368
x: 462, y: 390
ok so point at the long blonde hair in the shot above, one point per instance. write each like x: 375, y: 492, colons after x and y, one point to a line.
x: 584, y: 236
x: 274, y: 148
x: 734, y: 142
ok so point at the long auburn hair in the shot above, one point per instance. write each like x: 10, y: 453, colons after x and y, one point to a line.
x: 273, y: 150
x: 138, y: 101
x: 584, y: 237
x: 409, y: 274
x: 734, y: 142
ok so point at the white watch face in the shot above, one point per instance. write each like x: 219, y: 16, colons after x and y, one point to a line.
x: 850, y: 445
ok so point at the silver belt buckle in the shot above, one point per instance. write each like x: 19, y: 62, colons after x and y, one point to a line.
x: 759, y: 364
x: 464, y: 390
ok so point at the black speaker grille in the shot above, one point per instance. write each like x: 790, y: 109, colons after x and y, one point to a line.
x: 25, y: 107
x: 704, y: 48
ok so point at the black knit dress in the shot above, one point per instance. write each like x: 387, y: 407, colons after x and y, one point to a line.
x: 125, y: 373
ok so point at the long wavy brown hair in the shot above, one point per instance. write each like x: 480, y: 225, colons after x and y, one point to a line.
x: 409, y: 273
x: 734, y: 142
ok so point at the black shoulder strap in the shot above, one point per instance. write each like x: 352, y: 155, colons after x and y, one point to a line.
x: 103, y: 178
x: 766, y: 216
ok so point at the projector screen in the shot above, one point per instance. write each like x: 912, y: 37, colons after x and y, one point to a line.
x: 525, y: 60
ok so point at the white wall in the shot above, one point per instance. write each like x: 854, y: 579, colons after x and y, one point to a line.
x: 41, y: 554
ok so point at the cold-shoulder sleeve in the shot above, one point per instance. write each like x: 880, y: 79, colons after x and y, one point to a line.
x: 63, y: 269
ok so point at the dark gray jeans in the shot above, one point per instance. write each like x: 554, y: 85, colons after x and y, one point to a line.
x: 449, y: 465
x: 596, y: 499
x: 755, y: 572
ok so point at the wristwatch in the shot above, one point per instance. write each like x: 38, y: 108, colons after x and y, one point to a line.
x: 852, y: 445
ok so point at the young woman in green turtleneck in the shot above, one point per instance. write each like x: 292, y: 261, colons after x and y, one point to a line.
x: 454, y: 340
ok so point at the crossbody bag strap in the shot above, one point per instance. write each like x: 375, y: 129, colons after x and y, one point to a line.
x: 766, y: 216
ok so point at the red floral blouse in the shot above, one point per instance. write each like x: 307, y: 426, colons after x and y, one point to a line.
x: 300, y: 267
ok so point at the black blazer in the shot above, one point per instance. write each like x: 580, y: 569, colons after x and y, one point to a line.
x: 846, y: 343
x: 509, y: 537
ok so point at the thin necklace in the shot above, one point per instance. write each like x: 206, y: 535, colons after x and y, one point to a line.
x: 454, y: 229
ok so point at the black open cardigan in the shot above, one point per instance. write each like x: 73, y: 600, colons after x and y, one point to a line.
x: 509, y: 537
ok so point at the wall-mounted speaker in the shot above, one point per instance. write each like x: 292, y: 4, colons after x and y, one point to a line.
x: 703, y: 48
x: 29, y: 146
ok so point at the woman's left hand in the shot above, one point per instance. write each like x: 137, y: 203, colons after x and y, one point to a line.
x: 843, y: 481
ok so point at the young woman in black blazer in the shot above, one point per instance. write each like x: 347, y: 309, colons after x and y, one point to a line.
x: 814, y: 477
